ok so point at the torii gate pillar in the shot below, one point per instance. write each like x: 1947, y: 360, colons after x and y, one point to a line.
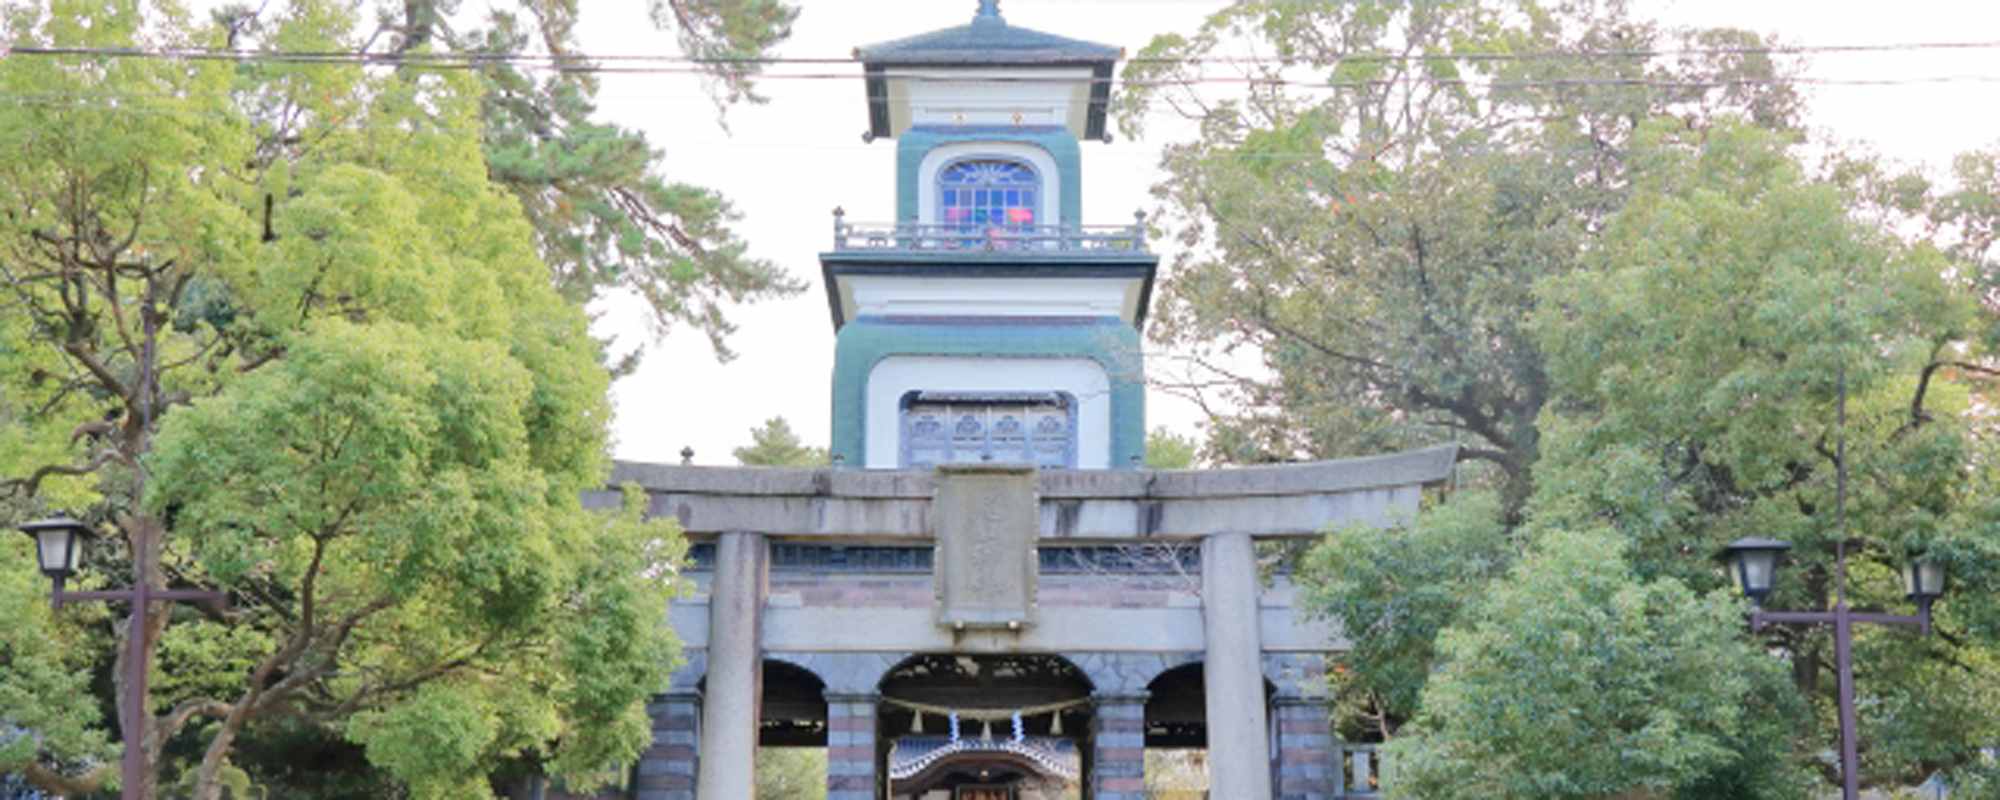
x: 1239, y: 754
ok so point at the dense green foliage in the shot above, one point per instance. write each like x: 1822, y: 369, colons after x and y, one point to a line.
x: 1572, y: 678
x: 1393, y: 594
x: 1615, y: 283
x: 774, y: 444
x: 1697, y: 368
x: 606, y: 215
x: 1377, y: 237
x: 1166, y: 449
x: 1701, y: 368
x: 791, y: 773
x: 281, y: 319
x: 40, y: 661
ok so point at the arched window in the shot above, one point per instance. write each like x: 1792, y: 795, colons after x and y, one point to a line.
x: 982, y: 194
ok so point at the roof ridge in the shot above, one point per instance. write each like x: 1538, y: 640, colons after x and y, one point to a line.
x: 988, y: 39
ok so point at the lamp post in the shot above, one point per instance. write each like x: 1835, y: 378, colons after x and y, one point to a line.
x: 59, y: 543
x: 1753, y: 564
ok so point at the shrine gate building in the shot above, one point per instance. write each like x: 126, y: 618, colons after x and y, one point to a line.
x: 986, y: 596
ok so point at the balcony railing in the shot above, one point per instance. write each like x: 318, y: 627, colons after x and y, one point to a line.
x: 997, y: 238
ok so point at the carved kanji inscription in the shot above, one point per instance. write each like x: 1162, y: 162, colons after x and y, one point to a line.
x: 987, y: 518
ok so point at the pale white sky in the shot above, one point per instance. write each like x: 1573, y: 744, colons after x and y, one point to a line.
x: 787, y: 164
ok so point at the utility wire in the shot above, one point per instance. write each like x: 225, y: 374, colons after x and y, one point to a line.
x: 163, y: 104
x: 1251, y: 81
x: 472, y: 59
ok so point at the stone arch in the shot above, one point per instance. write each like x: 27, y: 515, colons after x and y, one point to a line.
x: 689, y: 676
x: 1128, y: 674
x: 987, y: 681
x: 791, y: 700
x: 1177, y: 706
x: 1297, y: 676
x: 845, y: 674
x: 791, y: 706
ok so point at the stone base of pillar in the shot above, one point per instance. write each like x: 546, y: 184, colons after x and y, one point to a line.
x: 1305, y: 750
x: 1118, y: 758
x: 850, y: 747
x: 667, y: 769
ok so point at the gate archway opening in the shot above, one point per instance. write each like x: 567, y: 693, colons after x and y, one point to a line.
x: 1177, y: 733
x: 792, y: 727
x: 793, y: 708
x: 1008, y: 726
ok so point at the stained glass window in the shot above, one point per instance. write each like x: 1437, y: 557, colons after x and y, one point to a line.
x: 988, y: 194
x: 953, y: 428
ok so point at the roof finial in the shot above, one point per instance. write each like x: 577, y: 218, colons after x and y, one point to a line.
x: 988, y: 9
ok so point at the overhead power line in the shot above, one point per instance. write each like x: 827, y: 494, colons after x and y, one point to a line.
x: 476, y: 62
x: 589, y: 61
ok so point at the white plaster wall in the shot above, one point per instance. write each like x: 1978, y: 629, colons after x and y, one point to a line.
x: 885, y: 295
x: 895, y: 376
x: 1046, y: 97
x: 1050, y: 212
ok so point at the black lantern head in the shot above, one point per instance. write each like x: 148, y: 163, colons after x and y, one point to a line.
x: 1924, y: 579
x: 1753, y: 564
x: 58, y: 545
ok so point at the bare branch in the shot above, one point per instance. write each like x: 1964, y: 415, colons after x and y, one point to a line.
x: 33, y: 483
x: 61, y: 785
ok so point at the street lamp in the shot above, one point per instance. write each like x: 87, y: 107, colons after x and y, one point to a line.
x: 58, y: 546
x: 1924, y: 583
x: 1753, y: 564
x: 1925, y: 580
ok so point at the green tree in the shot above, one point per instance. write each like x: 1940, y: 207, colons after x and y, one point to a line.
x: 1375, y: 232
x: 44, y: 681
x: 1392, y: 592
x: 1695, y: 367
x: 791, y: 773
x: 1574, y: 678
x: 606, y: 213
x: 1166, y: 449
x: 1700, y: 366
x: 1610, y: 280
x: 279, y: 319
x: 775, y: 445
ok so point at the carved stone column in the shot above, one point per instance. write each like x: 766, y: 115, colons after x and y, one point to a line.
x: 666, y: 770
x: 1118, y: 758
x: 850, y: 747
x: 1305, y: 748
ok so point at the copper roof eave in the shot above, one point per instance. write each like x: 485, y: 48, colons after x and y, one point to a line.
x: 987, y: 41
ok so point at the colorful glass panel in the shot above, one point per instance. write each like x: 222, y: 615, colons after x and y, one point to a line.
x: 988, y: 193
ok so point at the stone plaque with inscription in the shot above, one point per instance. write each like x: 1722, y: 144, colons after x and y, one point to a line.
x: 987, y: 518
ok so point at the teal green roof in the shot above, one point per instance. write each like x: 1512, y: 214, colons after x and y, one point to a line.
x: 988, y: 40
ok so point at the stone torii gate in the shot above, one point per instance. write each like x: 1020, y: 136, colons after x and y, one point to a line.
x: 984, y: 541
x: 768, y: 594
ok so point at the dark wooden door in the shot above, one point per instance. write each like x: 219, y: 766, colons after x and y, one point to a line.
x: 985, y: 793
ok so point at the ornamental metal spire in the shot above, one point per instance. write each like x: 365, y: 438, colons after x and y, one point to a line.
x: 988, y: 10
